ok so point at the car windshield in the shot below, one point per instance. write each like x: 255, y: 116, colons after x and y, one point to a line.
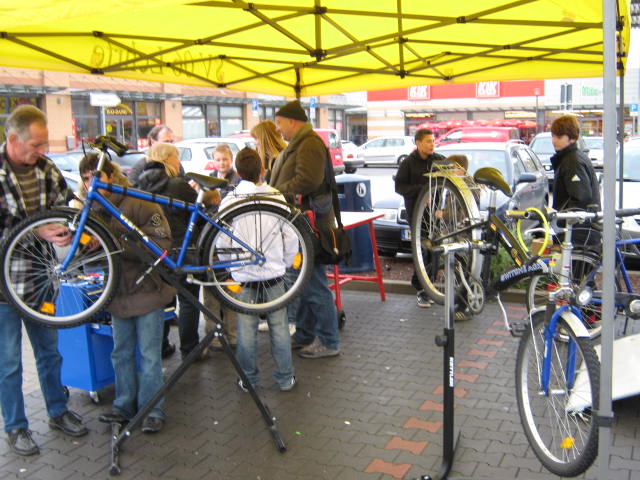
x: 594, y: 143
x: 543, y: 145
x: 481, y: 158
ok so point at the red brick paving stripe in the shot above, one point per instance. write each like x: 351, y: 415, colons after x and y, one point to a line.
x: 471, y: 364
x: 517, y: 308
x: 474, y: 352
x: 398, y: 443
x: 498, y: 323
x: 431, y: 405
x: 414, y: 422
x: 397, y: 470
x: 495, y: 343
x: 502, y: 333
x: 467, y: 377
x: 457, y: 392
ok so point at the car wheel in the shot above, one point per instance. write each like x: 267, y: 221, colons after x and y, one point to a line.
x: 401, y: 158
x: 350, y: 170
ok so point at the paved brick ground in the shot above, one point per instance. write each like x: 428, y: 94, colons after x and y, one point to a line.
x: 373, y: 413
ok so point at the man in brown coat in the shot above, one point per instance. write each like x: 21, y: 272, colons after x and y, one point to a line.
x: 299, y: 173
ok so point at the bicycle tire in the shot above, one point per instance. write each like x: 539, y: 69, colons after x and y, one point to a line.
x: 30, y: 280
x: 561, y: 427
x: 583, y: 263
x: 452, y: 196
x: 245, y: 222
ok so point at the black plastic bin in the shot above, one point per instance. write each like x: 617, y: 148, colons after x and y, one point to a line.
x: 354, y: 193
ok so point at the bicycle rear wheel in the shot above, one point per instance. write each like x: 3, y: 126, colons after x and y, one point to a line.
x: 560, y: 426
x: 33, y: 284
x: 260, y: 227
x: 444, y: 206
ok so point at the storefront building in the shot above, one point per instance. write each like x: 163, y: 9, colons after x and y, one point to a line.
x: 76, y: 108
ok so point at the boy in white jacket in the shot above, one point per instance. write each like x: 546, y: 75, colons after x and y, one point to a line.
x: 281, y: 247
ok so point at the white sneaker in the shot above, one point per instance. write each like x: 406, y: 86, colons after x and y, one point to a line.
x: 263, y: 326
x: 292, y: 329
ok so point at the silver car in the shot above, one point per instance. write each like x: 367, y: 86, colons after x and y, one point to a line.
x: 386, y: 150
x: 196, y: 154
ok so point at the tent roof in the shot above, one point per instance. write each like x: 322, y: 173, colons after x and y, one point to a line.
x: 309, y: 47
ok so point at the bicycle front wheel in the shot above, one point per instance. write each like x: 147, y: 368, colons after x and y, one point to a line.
x: 560, y: 423
x: 33, y: 283
x: 254, y: 230
x: 442, y: 208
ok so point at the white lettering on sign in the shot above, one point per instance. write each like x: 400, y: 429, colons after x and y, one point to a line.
x: 420, y: 92
x: 488, y: 89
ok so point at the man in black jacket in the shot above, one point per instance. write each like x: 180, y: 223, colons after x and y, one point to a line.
x: 409, y: 182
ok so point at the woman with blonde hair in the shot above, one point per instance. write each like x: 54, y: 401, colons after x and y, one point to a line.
x: 161, y: 175
x: 269, y: 143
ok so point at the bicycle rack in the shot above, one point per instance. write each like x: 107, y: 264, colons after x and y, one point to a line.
x: 447, y: 340
x: 121, y: 432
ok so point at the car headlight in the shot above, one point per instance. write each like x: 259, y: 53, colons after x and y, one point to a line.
x: 390, y: 214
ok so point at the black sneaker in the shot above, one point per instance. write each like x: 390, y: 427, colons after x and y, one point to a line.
x: 242, y: 386
x: 168, y: 350
x: 70, y: 423
x: 423, y: 300
x: 152, y: 425
x: 20, y: 442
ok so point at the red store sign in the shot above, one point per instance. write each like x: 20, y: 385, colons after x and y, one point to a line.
x: 488, y: 89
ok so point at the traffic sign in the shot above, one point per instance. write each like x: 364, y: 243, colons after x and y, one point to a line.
x: 633, y: 109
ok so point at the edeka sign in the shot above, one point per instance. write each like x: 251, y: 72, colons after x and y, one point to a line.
x: 488, y: 89
x: 420, y: 92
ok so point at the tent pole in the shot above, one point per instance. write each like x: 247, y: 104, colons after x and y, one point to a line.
x: 610, y: 60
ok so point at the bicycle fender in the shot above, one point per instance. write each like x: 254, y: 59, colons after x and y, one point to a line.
x: 575, y: 323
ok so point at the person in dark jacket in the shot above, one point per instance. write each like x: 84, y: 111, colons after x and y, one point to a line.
x: 137, y: 310
x: 161, y: 176
x: 575, y: 184
x: 410, y: 179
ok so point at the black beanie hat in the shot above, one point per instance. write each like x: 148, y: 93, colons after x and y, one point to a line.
x: 293, y: 110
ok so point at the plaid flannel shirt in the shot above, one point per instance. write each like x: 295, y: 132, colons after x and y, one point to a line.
x: 52, y: 188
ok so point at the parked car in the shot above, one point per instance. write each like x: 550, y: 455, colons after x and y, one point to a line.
x: 631, y: 197
x: 478, y: 134
x: 543, y: 148
x: 386, y: 150
x: 512, y: 158
x: 350, y: 157
x: 69, y: 161
x: 196, y: 153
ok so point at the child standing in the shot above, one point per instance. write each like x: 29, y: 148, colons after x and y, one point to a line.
x: 279, y: 255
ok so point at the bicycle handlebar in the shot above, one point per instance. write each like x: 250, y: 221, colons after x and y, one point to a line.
x: 107, y: 141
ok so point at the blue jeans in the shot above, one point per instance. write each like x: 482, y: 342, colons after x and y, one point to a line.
x: 316, y: 311
x: 247, y: 348
x: 48, y: 363
x: 134, y: 389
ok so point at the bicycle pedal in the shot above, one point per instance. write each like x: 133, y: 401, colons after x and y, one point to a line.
x: 517, y: 329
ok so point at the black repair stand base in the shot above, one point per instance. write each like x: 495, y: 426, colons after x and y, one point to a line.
x: 447, y: 341
x: 121, y: 432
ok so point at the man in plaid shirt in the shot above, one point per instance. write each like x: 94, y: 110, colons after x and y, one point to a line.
x: 30, y: 182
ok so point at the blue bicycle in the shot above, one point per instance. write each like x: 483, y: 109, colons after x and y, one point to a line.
x: 63, y: 287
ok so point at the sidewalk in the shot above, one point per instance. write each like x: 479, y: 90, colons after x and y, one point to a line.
x: 373, y: 413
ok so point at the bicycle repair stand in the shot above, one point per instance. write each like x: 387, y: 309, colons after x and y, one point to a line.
x: 447, y: 341
x: 121, y: 432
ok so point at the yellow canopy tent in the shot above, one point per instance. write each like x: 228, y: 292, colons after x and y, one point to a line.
x: 315, y: 47
x: 309, y: 47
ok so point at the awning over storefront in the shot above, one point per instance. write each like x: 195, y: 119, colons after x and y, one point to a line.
x: 309, y: 47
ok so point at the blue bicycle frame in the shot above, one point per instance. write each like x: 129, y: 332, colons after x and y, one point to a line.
x: 196, y: 211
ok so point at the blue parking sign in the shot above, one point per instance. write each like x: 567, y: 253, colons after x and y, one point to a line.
x: 633, y: 109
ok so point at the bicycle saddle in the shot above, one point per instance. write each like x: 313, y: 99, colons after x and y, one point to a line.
x: 206, y: 182
x: 492, y: 178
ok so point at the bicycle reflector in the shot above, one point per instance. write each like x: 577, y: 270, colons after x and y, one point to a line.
x: 48, y: 308
x: 297, y: 261
x: 234, y: 288
x: 567, y: 443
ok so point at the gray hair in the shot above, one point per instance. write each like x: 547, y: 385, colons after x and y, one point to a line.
x: 22, y: 118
